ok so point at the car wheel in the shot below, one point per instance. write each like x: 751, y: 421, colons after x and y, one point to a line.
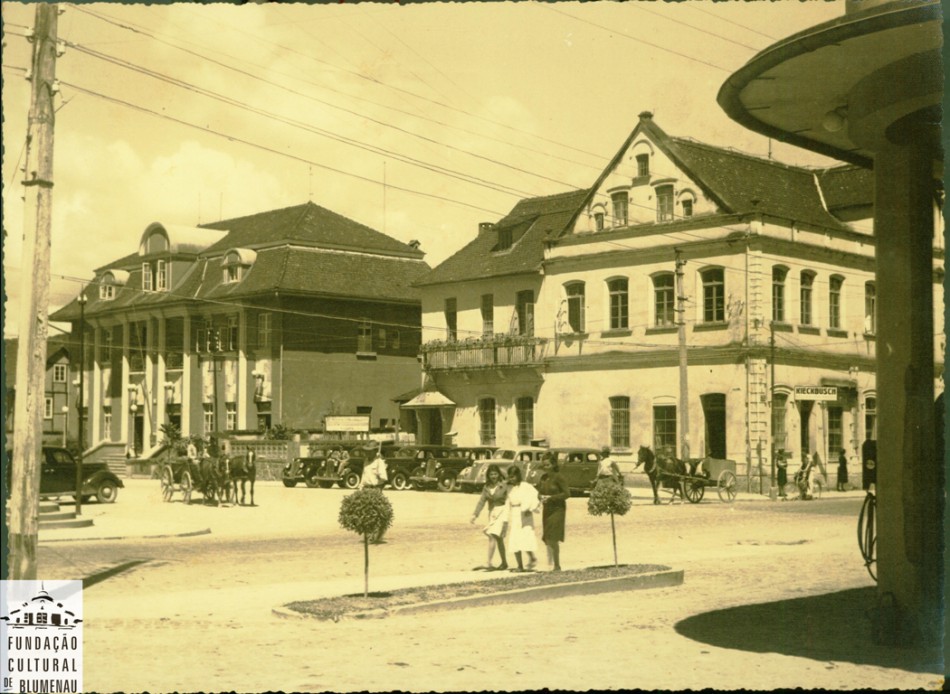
x: 325, y: 484
x: 289, y: 483
x: 107, y: 492
x: 417, y: 472
x: 311, y: 481
x: 448, y: 482
x: 350, y: 480
x: 400, y: 481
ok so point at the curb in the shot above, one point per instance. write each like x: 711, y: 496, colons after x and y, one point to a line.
x: 190, y: 533
x: 645, y: 581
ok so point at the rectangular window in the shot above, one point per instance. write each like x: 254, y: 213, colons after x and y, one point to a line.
x: 870, y: 308
x: 687, y: 205
x: 835, y: 431
x: 643, y: 165
x: 263, y: 330
x: 488, y: 315
x: 524, y: 306
x: 201, y: 340
x: 620, y: 202
x: 209, y: 418
x: 381, y: 338
x: 232, y: 334
x: 870, y: 419
x: 364, y: 338
x: 714, y: 296
x: 664, y: 427
x: 161, y: 276
x: 525, y: 410
x: 106, y: 292
x: 575, y: 306
x: 47, y: 408
x: 618, y: 304
x: 778, y: 294
x: 779, y: 409
x: 105, y: 346
x: 107, y: 423
x: 664, y: 203
x: 598, y: 221
x: 504, y: 239
x: 663, y: 296
x: 451, y: 320
x: 146, y: 277
x: 620, y: 422
x: 808, y: 280
x: 231, y: 414
x: 232, y: 273
x: 834, y: 302
x: 394, y: 342
x: 486, y: 418
x: 59, y: 373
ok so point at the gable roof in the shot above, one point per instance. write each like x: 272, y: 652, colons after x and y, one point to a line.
x: 847, y: 186
x: 531, y: 221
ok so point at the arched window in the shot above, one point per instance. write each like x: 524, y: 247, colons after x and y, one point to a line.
x: 663, y: 296
x: 574, y: 292
x: 619, y: 310
x: 835, y: 284
x: 714, y: 295
x: 664, y: 203
x: 779, y: 274
x: 807, y: 284
x: 620, y: 201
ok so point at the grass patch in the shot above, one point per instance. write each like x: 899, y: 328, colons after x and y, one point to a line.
x: 334, y: 608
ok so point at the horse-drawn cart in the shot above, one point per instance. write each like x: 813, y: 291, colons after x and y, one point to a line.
x: 690, y: 477
x: 185, y: 476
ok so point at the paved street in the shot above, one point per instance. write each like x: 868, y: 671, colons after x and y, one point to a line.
x: 775, y: 595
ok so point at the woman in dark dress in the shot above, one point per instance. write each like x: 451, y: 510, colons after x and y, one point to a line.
x: 554, y: 493
x: 842, y: 471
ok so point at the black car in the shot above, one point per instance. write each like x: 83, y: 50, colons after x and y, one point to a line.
x: 322, y: 469
x: 58, y: 477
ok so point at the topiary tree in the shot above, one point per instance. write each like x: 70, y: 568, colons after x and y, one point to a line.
x: 609, y: 496
x: 368, y: 513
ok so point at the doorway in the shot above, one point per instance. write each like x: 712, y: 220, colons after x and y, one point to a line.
x: 714, y: 412
x: 805, y: 407
x: 138, y: 438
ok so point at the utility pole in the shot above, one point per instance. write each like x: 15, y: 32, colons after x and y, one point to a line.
x: 31, y: 349
x: 684, y: 384
x: 82, y: 396
x: 772, y: 397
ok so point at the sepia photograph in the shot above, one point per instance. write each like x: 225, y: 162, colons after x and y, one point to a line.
x: 473, y: 346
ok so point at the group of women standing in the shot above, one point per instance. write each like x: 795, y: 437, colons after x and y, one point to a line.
x: 512, y: 503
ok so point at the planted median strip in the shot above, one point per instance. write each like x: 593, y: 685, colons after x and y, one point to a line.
x: 506, y: 588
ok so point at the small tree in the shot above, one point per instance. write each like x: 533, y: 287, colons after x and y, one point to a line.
x: 609, y: 496
x: 368, y: 513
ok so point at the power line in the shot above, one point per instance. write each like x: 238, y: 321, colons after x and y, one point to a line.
x: 695, y: 6
x: 641, y: 7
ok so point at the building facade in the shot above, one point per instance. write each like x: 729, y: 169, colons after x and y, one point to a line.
x: 278, y: 318
x: 768, y: 270
x: 59, y: 416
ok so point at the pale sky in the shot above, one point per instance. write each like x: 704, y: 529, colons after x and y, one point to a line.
x: 187, y: 114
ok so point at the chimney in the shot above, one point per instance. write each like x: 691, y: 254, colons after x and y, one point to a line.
x: 414, y: 244
x: 646, y: 115
x: 484, y: 226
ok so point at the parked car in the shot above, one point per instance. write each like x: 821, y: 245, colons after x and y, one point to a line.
x: 441, y: 470
x: 578, y: 467
x: 58, y: 477
x: 319, y: 470
x: 472, y: 478
x: 411, y: 461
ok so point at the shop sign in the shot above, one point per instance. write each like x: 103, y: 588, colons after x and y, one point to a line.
x: 816, y: 392
x: 346, y: 423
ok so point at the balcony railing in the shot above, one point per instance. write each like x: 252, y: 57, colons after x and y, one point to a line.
x: 485, y: 353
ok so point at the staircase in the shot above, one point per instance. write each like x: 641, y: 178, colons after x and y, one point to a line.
x: 51, y: 516
x: 112, y: 454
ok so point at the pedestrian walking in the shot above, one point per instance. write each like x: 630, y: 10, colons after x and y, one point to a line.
x: 842, y: 471
x: 494, y: 494
x: 554, y: 494
x: 522, y: 504
x: 782, y: 465
x: 607, y: 468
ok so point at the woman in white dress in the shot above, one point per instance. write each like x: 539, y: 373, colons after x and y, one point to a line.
x: 522, y: 504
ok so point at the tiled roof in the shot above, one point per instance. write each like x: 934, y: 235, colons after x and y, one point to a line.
x: 306, y: 224
x: 847, y: 186
x: 747, y: 184
x: 531, y: 221
x: 54, y: 344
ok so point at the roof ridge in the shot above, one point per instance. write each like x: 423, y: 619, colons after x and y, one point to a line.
x: 739, y: 153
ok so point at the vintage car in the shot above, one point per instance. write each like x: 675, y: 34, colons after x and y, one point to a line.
x: 408, y: 461
x: 58, y: 477
x: 442, y: 471
x: 578, y: 467
x: 472, y: 478
x: 323, y: 469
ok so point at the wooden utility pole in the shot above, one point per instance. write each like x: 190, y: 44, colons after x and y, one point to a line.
x: 684, y: 384
x: 31, y: 350
x: 772, y: 398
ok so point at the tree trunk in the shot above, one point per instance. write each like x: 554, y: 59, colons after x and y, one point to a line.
x: 365, y: 565
x: 613, y: 532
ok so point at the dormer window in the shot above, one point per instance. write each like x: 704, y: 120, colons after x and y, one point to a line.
x: 146, y: 277
x: 504, y: 239
x: 161, y: 276
x: 107, y: 292
x: 236, y: 264
x: 109, y: 281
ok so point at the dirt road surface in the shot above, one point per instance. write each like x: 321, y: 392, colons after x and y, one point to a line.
x: 775, y: 595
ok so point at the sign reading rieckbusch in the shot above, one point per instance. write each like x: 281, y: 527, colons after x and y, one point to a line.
x: 816, y: 392
x: 349, y: 423
x: 41, y: 631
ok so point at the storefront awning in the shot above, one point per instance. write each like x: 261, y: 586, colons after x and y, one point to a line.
x: 429, y: 398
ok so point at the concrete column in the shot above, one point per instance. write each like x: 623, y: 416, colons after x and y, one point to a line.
x: 908, y: 477
x: 242, y: 375
x: 124, y: 418
x: 149, y: 391
x: 95, y: 386
x: 160, y: 395
x: 187, y: 366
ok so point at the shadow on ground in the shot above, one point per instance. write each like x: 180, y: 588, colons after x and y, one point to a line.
x: 831, y: 627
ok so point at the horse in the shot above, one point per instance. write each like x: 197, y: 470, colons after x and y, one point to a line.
x: 665, y: 471
x: 212, y: 479
x: 244, y: 470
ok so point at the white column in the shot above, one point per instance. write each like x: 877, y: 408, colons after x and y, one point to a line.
x: 149, y: 393
x: 95, y: 385
x: 242, y: 422
x: 187, y: 364
x: 124, y: 396
x: 160, y: 376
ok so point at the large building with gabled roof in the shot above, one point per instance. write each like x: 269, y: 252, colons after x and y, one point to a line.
x: 276, y: 318
x: 562, y: 320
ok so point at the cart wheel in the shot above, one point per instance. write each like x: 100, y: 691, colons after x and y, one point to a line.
x: 400, y: 481
x: 168, y: 483
x: 186, y: 486
x: 727, y: 486
x: 350, y: 480
x: 693, y: 490
x: 448, y: 482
